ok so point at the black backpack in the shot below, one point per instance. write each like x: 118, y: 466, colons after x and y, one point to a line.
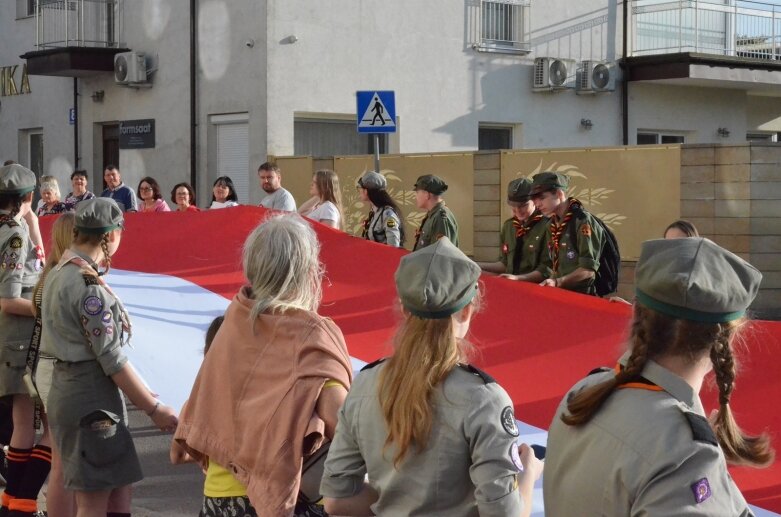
x: 606, y: 281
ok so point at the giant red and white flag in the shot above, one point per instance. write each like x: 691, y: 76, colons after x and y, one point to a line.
x: 176, y: 271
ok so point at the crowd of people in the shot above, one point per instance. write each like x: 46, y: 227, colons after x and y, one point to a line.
x: 422, y: 432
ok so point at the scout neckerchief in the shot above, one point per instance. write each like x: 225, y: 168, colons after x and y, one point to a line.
x: 419, y: 232
x: 557, y: 229
x: 92, y: 270
x: 640, y: 384
x: 521, y: 229
x: 366, y: 223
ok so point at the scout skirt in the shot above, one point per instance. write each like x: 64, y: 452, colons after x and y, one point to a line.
x: 15, y: 334
x: 88, y: 422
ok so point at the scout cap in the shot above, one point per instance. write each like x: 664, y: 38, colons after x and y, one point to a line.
x: 695, y: 279
x: 436, y: 281
x: 430, y: 183
x: 519, y: 190
x: 98, y: 216
x: 16, y: 179
x: 545, y: 181
x: 372, y: 180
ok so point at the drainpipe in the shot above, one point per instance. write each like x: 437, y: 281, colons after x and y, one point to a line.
x: 193, y: 78
x: 75, y: 123
x: 625, y: 79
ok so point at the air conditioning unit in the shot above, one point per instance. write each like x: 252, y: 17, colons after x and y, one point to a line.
x: 129, y: 68
x: 595, y: 77
x: 552, y: 73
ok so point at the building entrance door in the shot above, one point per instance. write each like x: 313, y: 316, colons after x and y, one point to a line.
x: 110, y: 150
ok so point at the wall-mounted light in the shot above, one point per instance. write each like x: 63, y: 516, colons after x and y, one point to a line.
x: 97, y: 96
x: 586, y: 123
x: 723, y: 132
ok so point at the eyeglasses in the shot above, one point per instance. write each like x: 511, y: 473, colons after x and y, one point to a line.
x: 145, y: 189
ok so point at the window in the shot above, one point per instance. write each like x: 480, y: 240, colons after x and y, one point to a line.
x: 647, y: 138
x: 327, y: 137
x: 762, y: 137
x: 25, y: 8
x: 495, y: 137
x: 504, y: 26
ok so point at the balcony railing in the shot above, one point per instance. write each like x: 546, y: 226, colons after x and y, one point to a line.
x: 728, y: 27
x: 78, y: 23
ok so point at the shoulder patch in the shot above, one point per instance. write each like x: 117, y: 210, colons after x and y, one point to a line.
x: 15, y: 242
x: 390, y: 222
x: 90, y: 279
x: 487, y: 379
x: 601, y: 369
x: 701, y: 429
x: 372, y: 365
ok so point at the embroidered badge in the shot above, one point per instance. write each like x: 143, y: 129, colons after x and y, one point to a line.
x: 3, y: 265
x: 106, y: 317
x: 96, y: 332
x: 109, y: 330
x: 570, y: 254
x: 93, y: 305
x: 19, y: 266
x: 390, y: 223
x: 16, y: 242
x: 701, y: 490
x: 508, y: 421
x: 38, y: 264
x: 586, y: 230
x: 515, y: 456
x: 505, y: 249
x: 84, y: 321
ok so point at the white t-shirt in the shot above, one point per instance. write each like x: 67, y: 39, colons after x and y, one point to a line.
x: 227, y: 204
x: 280, y: 199
x: 323, y: 211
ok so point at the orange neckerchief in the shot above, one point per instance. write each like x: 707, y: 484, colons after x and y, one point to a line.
x: 639, y: 385
x: 556, y: 230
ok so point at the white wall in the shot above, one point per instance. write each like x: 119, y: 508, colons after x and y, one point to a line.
x: 45, y: 107
x: 763, y: 113
x: 444, y: 88
x: 697, y: 111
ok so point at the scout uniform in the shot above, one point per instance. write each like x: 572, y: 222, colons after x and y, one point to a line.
x: 84, y: 328
x: 20, y: 264
x: 470, y: 462
x: 574, y: 242
x: 522, y: 241
x: 439, y: 221
x: 383, y: 224
x: 649, y: 449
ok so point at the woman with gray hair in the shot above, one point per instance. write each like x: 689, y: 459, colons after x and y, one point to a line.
x: 289, y: 374
x: 50, y: 197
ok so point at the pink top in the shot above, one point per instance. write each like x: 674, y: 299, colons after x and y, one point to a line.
x: 159, y: 206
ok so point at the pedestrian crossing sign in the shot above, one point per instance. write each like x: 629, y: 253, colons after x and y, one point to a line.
x: 376, y: 111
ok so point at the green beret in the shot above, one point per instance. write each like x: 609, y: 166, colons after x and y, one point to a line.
x: 372, y: 180
x: 98, y: 216
x: 695, y: 279
x: 519, y: 190
x: 545, y: 181
x: 436, y: 281
x: 16, y: 179
x: 430, y: 183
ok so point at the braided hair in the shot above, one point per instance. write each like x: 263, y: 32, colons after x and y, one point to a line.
x: 654, y: 335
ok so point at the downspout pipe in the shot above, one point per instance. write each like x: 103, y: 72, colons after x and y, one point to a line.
x: 193, y: 91
x: 76, y: 123
x: 625, y: 78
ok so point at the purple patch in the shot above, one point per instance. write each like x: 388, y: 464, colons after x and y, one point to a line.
x: 93, y: 305
x: 701, y: 490
x: 106, y: 318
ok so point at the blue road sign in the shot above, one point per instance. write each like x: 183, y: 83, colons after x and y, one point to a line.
x: 376, y: 111
x: 72, y: 116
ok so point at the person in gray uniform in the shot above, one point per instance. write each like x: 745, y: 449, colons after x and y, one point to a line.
x: 436, y: 435
x: 384, y: 223
x: 84, y: 328
x: 20, y: 264
x: 634, y: 440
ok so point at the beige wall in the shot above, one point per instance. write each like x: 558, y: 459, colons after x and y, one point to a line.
x: 732, y: 193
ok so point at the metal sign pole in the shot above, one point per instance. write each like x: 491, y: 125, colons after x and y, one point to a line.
x: 376, y: 153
